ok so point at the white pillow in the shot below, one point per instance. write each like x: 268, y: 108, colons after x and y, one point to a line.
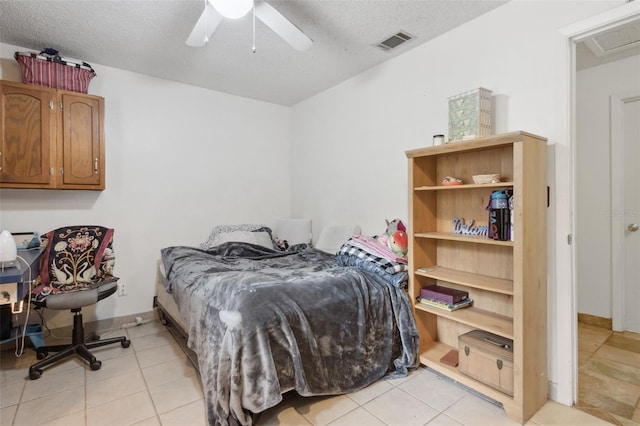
x: 259, y: 238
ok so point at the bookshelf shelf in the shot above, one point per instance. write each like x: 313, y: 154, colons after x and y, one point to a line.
x: 464, y: 186
x: 505, y: 279
x: 474, y: 317
x: 431, y: 357
x: 463, y: 238
x: 484, y: 282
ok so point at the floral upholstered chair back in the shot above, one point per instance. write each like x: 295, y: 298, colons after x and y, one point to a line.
x: 75, y: 257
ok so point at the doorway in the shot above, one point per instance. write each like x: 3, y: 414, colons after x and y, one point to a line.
x: 625, y: 203
x: 608, y: 358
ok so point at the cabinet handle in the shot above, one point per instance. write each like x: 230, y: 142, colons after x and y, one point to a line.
x: 51, y: 105
x: 95, y: 165
x: 50, y: 171
x: 0, y: 161
x: 61, y: 171
x: 60, y: 104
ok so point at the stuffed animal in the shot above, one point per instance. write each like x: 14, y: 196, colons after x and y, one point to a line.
x: 395, y: 237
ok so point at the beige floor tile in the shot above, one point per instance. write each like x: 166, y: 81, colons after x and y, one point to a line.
x: 151, y: 421
x: 10, y: 393
x: 283, y: 414
x: 18, y: 374
x: 397, y: 407
x: 400, y: 380
x: 587, y: 346
x: 10, y: 361
x: 150, y: 357
x: 370, y: 392
x: 52, y: 382
x: 604, y: 386
x: 320, y: 411
x: 618, y: 355
x: 439, y: 393
x: 75, y: 419
x: 636, y: 414
x: 631, y: 335
x: 553, y: 413
x: 49, y: 408
x: 114, y: 367
x: 153, y: 327
x: 443, y: 420
x: 191, y: 414
x: 7, y: 414
x: 177, y: 393
x: 624, y: 421
x: 614, y: 369
x: 593, y: 334
x: 115, y: 350
x: 359, y: 416
x: 114, y: 388
x: 618, y: 340
x: 127, y: 410
x: 168, y: 371
x: 151, y: 341
x: 473, y: 411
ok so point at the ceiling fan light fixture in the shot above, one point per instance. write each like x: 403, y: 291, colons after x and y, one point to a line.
x: 232, y: 9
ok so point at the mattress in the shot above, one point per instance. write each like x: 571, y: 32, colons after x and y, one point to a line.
x: 165, y: 300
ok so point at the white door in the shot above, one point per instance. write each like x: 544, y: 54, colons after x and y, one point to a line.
x: 626, y: 208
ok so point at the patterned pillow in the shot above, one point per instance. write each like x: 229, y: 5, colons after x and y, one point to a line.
x: 223, y: 229
x: 74, y: 258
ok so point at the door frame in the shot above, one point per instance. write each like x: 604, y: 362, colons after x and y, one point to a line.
x: 574, y: 34
x: 617, y: 215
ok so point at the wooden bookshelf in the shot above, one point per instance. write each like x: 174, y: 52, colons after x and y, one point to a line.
x: 505, y: 279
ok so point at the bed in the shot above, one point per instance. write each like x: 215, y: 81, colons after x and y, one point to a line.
x: 263, y: 321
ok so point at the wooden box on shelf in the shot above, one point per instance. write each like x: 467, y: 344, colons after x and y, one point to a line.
x: 505, y: 279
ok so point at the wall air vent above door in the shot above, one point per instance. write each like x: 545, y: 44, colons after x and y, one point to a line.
x: 395, y: 40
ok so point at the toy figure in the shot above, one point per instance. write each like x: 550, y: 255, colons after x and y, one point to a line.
x: 395, y: 237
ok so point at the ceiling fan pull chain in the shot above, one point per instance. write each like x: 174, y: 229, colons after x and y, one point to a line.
x: 254, y: 27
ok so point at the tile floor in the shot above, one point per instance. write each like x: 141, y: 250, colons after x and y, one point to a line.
x: 152, y: 383
x: 609, y: 374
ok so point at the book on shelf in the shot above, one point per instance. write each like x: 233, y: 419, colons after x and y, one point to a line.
x: 444, y: 306
x: 450, y: 358
x: 443, y: 294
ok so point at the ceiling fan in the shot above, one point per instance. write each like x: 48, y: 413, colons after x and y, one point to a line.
x: 216, y: 10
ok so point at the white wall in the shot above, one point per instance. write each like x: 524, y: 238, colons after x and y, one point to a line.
x: 348, y: 162
x: 179, y: 160
x: 594, y: 87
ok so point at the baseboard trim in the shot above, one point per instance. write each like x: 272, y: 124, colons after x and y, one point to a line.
x: 595, y: 321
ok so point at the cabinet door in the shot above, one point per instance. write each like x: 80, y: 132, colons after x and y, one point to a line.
x: 26, y: 136
x: 81, y: 138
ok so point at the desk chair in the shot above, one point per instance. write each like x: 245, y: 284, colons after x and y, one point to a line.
x: 76, y: 271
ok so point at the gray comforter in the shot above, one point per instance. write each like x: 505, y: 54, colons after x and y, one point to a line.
x: 264, y: 322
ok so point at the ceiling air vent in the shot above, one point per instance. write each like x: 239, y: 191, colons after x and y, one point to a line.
x: 395, y: 40
x: 620, y: 38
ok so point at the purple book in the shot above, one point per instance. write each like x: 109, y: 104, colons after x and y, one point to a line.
x: 443, y: 294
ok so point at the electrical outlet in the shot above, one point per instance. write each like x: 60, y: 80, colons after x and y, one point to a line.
x: 122, y: 290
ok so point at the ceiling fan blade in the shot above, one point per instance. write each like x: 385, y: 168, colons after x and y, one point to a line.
x: 204, y: 28
x: 282, y: 26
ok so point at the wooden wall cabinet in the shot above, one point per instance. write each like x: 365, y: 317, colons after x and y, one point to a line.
x: 506, y: 279
x: 50, y: 139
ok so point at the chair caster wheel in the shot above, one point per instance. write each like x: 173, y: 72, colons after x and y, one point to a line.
x: 125, y: 343
x: 41, y: 354
x: 95, y: 365
x: 35, y: 373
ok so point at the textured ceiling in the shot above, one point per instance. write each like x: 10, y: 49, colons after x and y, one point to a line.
x: 148, y: 37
